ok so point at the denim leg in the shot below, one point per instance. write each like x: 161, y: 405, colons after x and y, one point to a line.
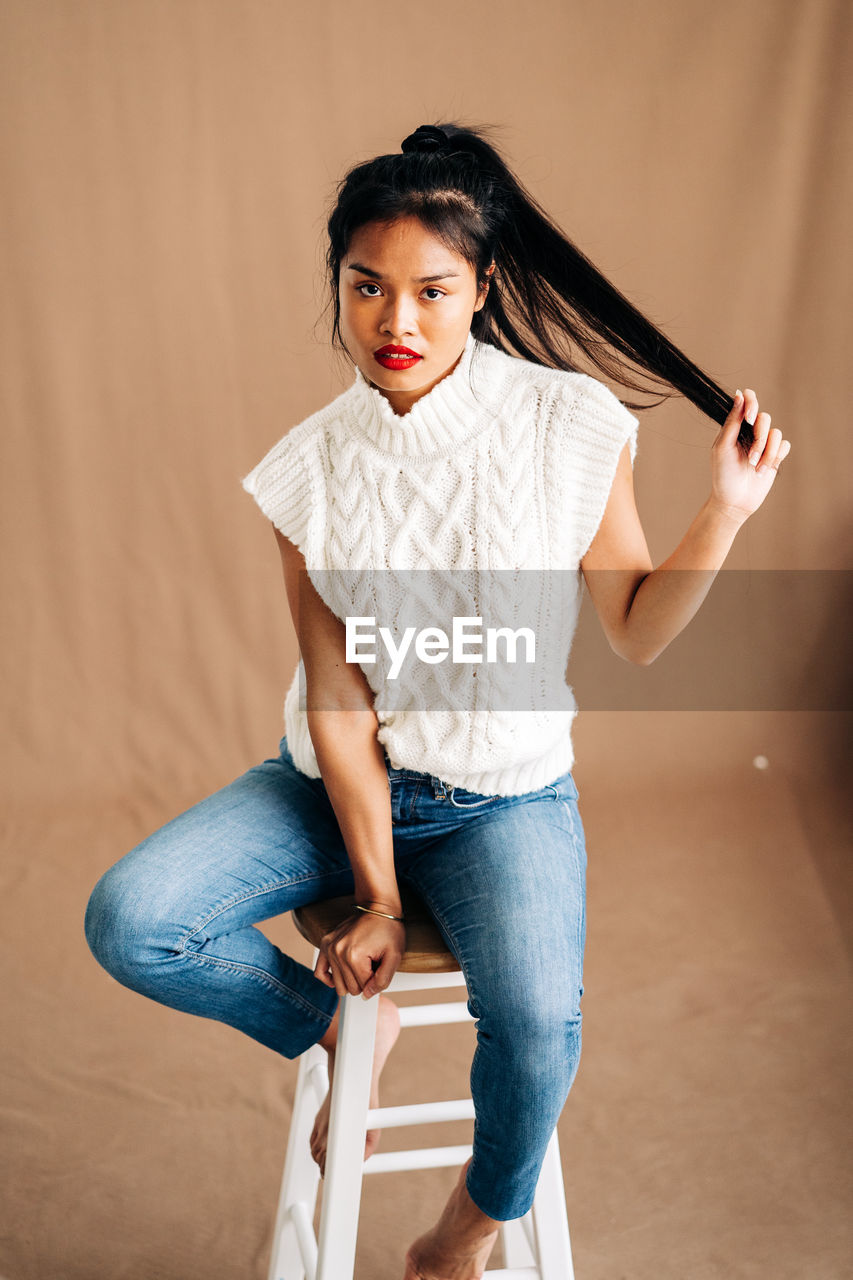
x: 508, y: 891
x: 173, y: 919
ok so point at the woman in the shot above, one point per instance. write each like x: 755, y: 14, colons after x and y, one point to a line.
x: 448, y: 452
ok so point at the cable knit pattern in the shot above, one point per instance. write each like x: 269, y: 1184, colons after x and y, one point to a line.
x: 505, y: 465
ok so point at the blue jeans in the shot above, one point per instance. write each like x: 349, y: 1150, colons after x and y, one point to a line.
x: 504, y: 877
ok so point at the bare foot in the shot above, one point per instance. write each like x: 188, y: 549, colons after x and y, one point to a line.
x: 459, y: 1245
x: 387, y: 1031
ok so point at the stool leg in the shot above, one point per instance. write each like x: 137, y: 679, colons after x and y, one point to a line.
x: 347, y: 1130
x: 516, y: 1238
x: 293, y: 1238
x: 550, y: 1219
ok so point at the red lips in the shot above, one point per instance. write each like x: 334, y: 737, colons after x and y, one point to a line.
x: 391, y: 357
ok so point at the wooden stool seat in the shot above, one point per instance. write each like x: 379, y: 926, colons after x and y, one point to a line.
x: 426, y: 950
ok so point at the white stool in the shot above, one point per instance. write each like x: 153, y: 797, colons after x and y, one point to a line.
x: 536, y: 1247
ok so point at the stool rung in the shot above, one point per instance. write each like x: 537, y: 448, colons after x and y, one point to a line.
x: 515, y: 1273
x: 305, y: 1237
x: 425, y: 1158
x: 426, y: 1015
x: 420, y: 1113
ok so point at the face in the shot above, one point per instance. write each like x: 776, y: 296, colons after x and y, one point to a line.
x: 400, y: 286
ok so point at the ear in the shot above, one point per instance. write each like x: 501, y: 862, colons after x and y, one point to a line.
x: 481, y: 300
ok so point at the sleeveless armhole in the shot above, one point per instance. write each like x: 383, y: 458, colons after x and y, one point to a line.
x: 593, y: 427
x: 282, y: 486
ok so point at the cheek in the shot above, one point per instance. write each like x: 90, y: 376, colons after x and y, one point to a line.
x: 453, y: 311
x: 349, y: 317
x: 357, y: 317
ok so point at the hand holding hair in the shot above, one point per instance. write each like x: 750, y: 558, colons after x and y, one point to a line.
x: 740, y: 483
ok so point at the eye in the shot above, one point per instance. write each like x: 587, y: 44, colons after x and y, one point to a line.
x: 369, y: 284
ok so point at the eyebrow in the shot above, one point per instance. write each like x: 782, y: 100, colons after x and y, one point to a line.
x: 368, y: 271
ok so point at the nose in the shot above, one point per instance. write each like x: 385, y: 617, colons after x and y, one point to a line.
x: 398, y: 318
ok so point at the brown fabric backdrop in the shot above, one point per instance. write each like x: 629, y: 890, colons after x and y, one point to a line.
x: 166, y: 169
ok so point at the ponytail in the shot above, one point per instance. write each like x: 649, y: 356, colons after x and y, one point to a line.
x: 546, y: 299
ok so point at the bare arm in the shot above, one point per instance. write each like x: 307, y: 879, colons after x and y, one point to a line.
x: 643, y: 609
x: 343, y: 724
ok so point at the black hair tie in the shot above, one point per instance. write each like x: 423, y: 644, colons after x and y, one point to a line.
x: 427, y: 137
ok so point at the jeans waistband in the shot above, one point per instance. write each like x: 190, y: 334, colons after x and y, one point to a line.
x: 444, y: 791
x: 439, y: 788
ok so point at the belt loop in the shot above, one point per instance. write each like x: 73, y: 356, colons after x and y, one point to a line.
x: 554, y: 789
x: 438, y: 790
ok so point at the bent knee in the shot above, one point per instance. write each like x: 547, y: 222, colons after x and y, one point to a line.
x: 121, y: 927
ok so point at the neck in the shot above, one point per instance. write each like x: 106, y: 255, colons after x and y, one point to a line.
x: 442, y: 419
x: 402, y: 402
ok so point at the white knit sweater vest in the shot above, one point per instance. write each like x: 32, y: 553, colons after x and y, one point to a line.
x: 504, y: 465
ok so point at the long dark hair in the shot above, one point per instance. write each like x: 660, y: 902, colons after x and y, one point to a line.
x: 545, y: 296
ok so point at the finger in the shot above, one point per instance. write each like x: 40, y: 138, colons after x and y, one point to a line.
x: 364, y: 973
x: 771, y: 456
x: 340, y: 984
x: 383, y: 975
x: 731, y: 426
x: 322, y: 968
x: 351, y: 982
x: 327, y: 971
x: 750, y: 415
x: 760, y: 432
x: 370, y: 988
x: 767, y: 445
x: 331, y: 981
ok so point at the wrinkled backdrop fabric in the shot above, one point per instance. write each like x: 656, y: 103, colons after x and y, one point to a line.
x: 166, y: 168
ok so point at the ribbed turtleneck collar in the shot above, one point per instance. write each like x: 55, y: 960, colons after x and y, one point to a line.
x: 442, y: 419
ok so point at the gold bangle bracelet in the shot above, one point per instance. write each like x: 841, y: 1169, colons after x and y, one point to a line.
x: 379, y: 913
